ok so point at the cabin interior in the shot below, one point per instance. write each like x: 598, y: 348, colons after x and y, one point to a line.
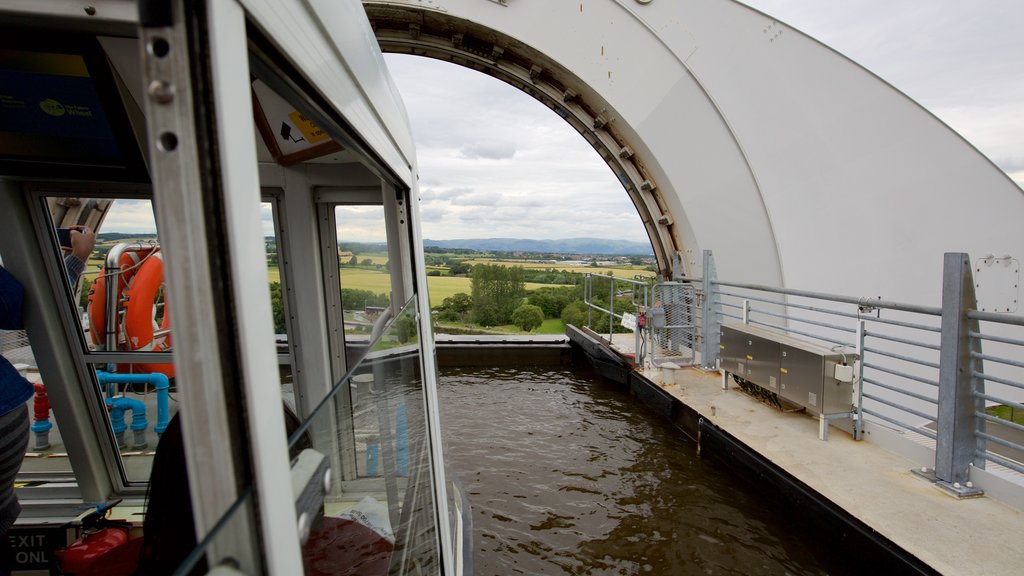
x: 253, y: 269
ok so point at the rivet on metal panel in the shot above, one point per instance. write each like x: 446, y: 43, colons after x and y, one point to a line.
x: 161, y: 92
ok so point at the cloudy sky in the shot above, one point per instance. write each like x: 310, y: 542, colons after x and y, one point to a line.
x: 495, y: 162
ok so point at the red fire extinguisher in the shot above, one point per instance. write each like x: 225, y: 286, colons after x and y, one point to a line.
x: 105, y: 547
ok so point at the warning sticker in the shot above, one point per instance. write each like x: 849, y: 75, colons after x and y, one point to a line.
x: 311, y: 132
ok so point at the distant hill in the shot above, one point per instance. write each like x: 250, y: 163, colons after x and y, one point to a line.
x: 106, y: 236
x: 561, y: 246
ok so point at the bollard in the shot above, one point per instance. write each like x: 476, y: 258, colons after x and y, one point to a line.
x: 41, y: 414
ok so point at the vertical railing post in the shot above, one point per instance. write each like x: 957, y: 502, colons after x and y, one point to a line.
x: 611, y: 307
x: 956, y: 440
x: 858, y: 426
x: 587, y: 300
x: 710, y: 323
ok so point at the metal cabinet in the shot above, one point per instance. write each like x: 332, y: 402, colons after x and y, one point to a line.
x: 751, y: 356
x: 800, y: 372
x: 807, y: 375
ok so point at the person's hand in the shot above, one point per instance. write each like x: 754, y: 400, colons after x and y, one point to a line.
x: 83, y: 240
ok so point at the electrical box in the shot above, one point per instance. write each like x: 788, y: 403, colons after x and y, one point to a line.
x: 799, y: 371
x: 750, y: 356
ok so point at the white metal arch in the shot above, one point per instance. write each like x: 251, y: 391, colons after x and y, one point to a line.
x: 734, y: 132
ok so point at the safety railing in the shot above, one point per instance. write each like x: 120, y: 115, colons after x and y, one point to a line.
x: 628, y: 295
x: 922, y: 369
x: 997, y: 372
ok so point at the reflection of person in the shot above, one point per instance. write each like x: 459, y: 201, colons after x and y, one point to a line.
x: 14, y: 422
x: 83, y: 240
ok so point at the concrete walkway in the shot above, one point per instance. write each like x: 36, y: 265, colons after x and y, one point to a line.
x: 979, y: 536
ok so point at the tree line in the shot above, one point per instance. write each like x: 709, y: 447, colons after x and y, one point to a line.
x: 498, y: 297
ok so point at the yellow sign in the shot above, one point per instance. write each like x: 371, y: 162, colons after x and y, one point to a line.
x: 311, y: 132
x: 783, y: 370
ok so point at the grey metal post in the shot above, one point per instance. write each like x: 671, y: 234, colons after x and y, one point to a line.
x: 710, y: 324
x: 611, y: 307
x: 858, y: 426
x: 956, y: 440
x: 588, y: 291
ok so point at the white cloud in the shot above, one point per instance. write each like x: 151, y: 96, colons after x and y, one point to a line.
x: 360, y: 223
x: 489, y: 150
x: 494, y: 162
x: 130, y: 217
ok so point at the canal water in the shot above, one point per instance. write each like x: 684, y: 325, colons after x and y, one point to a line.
x: 568, y: 475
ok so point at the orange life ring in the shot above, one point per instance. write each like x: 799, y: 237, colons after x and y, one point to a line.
x: 140, y: 314
x: 128, y: 265
x: 139, y: 287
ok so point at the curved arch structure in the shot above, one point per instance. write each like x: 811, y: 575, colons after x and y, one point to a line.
x: 734, y: 132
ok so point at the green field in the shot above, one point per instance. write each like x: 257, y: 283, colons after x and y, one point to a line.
x: 551, y: 326
x: 440, y: 287
x: 379, y: 282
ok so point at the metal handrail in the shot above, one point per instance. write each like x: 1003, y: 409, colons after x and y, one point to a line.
x: 731, y: 301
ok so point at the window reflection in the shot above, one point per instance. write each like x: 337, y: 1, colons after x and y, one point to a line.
x: 384, y: 515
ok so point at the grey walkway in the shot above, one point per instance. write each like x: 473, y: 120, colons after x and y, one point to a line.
x: 980, y: 536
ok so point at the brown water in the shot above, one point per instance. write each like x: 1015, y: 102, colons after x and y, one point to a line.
x: 568, y: 475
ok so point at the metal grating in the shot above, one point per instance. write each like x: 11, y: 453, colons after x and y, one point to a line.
x: 15, y: 347
x: 675, y: 340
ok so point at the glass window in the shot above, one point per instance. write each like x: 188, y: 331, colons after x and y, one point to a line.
x: 106, y: 242
x: 385, y: 514
x: 364, y: 272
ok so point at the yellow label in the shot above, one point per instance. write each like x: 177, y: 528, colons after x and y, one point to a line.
x: 749, y: 357
x: 311, y: 132
x: 783, y: 370
x: 721, y: 346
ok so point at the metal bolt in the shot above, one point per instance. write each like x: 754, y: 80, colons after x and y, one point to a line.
x: 303, y: 526
x: 90, y: 10
x: 161, y: 92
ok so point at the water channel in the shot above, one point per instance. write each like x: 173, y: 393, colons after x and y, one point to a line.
x: 569, y: 475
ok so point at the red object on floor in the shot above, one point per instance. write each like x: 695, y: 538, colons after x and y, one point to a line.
x: 343, y: 547
x: 106, y: 552
x: 42, y: 403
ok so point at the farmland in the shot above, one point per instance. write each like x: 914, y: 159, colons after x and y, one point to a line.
x: 379, y: 282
